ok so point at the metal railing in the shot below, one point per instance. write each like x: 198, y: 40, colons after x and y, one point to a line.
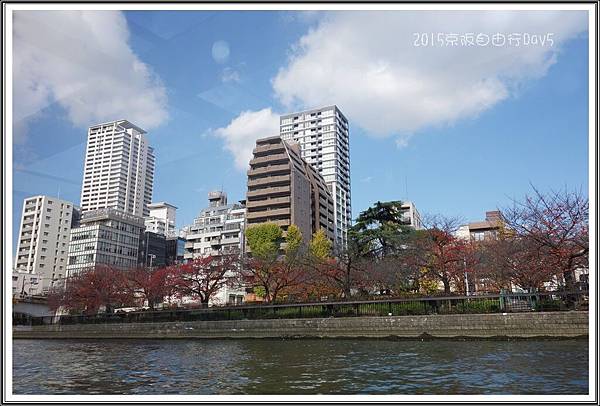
x: 498, y: 303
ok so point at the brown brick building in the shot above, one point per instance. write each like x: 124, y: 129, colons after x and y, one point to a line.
x: 284, y: 189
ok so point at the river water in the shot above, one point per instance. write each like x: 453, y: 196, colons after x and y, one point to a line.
x: 326, y: 366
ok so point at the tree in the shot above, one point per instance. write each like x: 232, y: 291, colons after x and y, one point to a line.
x: 381, y: 229
x: 320, y: 246
x: 264, y: 241
x: 275, y: 273
x: 91, y: 289
x: 556, y: 224
x: 437, y: 251
x: 151, y: 285
x: 203, y: 277
x: 348, y: 272
x: 510, y: 259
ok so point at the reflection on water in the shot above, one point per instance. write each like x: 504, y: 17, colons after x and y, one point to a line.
x: 299, y: 367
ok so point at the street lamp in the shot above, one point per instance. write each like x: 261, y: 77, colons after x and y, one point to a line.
x: 466, y: 277
x: 152, y: 256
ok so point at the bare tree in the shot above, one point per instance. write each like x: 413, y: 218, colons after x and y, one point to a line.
x: 556, y: 224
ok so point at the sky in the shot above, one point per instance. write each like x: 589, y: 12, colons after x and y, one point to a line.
x: 457, y: 129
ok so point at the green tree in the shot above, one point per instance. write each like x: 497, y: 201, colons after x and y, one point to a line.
x: 320, y: 246
x: 381, y: 230
x: 273, y: 273
x: 293, y: 243
x: 264, y: 241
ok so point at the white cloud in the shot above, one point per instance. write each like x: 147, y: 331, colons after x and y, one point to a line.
x: 242, y: 132
x: 230, y: 75
x: 82, y: 60
x: 366, y: 63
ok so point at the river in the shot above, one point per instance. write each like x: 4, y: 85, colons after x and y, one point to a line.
x: 327, y: 366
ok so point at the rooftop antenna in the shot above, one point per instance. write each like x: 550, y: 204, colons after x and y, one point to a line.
x: 58, y: 192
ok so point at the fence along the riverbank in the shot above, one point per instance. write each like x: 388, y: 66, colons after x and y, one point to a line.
x: 500, y: 303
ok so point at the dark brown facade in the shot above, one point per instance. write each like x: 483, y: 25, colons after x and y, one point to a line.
x: 284, y: 189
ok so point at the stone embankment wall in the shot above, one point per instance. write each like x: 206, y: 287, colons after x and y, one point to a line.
x: 517, y: 325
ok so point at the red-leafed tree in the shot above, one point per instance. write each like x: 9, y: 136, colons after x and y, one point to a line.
x: 274, y: 279
x: 510, y: 259
x: 203, y: 277
x: 438, y: 252
x: 150, y: 285
x: 556, y: 224
x: 91, y: 289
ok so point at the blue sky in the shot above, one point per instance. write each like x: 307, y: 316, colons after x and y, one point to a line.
x: 457, y: 131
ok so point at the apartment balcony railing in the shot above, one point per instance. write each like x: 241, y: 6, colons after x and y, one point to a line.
x: 271, y: 169
x: 268, y: 202
x: 268, y: 191
x: 269, y: 180
x: 286, y: 211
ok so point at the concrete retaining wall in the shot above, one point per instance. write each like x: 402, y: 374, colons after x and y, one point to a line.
x: 518, y: 325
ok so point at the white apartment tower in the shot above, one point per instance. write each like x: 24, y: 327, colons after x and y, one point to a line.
x: 323, y: 136
x: 119, y: 169
x: 43, y: 244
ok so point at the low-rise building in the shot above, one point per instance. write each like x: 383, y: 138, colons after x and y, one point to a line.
x: 174, y: 250
x: 411, y: 215
x: 106, y: 236
x: 482, y: 230
x: 26, y: 284
x: 153, y: 250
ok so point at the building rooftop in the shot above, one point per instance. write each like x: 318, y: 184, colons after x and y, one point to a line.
x: 160, y: 204
x: 122, y: 123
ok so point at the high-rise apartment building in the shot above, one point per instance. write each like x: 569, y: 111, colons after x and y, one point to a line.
x: 323, y: 136
x: 161, y: 219
x: 42, y: 247
x: 219, y: 228
x: 119, y: 169
x: 284, y: 189
x: 105, y: 237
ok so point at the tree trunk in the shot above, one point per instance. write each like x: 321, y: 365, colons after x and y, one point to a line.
x: 446, y: 283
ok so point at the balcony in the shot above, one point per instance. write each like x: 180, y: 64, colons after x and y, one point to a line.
x: 269, y: 180
x: 269, y: 169
x: 261, y: 149
x: 269, y: 158
x: 280, y: 223
x: 268, y: 191
x: 268, y: 202
x: 285, y: 211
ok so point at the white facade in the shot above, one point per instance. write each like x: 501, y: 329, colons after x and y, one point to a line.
x: 161, y: 219
x: 411, y: 215
x: 218, y: 228
x: 119, y: 169
x: 42, y: 247
x: 105, y: 237
x: 323, y: 136
x: 26, y: 284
